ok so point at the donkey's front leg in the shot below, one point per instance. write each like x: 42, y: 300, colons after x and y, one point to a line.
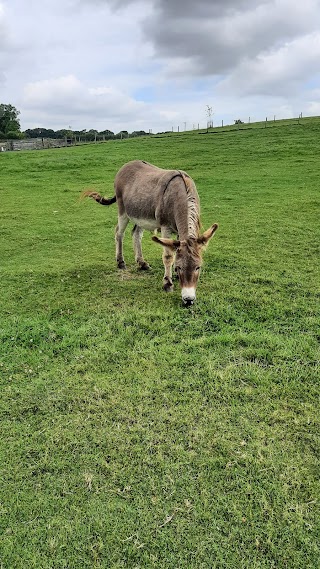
x: 137, y: 234
x: 123, y: 221
x: 168, y: 259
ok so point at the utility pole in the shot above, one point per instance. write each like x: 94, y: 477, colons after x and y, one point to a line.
x: 209, y: 115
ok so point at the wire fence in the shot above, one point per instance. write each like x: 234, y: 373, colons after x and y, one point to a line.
x: 239, y: 125
x: 209, y: 129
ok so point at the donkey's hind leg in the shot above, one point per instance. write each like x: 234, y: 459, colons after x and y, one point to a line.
x: 123, y: 221
x: 137, y: 234
x: 168, y: 259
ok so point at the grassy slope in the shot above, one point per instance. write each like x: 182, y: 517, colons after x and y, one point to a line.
x: 136, y: 433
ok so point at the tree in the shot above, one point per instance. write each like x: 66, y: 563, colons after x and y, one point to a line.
x: 62, y: 133
x: 139, y: 133
x: 40, y: 133
x: 14, y: 135
x: 9, y: 121
x: 122, y: 134
x: 91, y: 135
x: 106, y: 134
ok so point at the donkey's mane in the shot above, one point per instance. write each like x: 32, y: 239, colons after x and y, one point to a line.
x: 193, y: 208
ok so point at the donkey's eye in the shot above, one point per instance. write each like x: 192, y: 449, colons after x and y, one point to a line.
x: 197, y: 268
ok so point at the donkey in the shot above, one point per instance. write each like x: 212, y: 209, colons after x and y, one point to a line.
x: 166, y: 200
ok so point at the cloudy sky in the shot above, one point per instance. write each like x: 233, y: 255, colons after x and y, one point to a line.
x: 157, y: 64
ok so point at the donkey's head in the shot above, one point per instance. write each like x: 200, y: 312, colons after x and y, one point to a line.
x: 188, y: 261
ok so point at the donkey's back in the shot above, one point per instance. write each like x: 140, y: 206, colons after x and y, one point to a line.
x: 142, y: 180
x: 142, y: 196
x: 138, y: 173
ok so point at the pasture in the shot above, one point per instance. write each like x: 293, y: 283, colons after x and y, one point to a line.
x: 137, y: 433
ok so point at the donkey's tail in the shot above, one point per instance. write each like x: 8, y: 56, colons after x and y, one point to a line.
x: 95, y: 196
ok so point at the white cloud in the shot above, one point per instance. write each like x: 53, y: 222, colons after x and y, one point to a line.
x: 313, y: 103
x: 313, y: 108
x: 4, y: 38
x: 3, y: 28
x: 279, y: 72
x: 53, y: 92
x: 76, y: 104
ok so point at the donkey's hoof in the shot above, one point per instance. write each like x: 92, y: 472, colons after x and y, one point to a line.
x: 122, y: 265
x: 144, y: 266
x: 167, y: 285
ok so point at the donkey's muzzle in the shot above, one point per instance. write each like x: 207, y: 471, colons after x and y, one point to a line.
x: 188, y: 301
x: 188, y: 296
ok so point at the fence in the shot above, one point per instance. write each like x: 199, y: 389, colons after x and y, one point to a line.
x: 34, y: 143
x: 239, y: 125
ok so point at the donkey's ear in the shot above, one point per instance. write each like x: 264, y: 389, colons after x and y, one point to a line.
x: 170, y: 243
x: 206, y: 236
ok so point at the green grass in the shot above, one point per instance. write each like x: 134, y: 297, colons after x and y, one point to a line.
x: 136, y: 433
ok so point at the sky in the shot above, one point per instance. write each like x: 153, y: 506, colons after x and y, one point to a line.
x: 158, y: 64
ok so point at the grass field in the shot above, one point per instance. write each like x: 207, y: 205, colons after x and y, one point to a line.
x: 136, y: 433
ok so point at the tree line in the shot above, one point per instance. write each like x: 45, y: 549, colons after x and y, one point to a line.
x: 10, y: 129
x: 80, y: 135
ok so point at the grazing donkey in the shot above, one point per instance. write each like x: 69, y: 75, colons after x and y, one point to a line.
x: 153, y: 198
